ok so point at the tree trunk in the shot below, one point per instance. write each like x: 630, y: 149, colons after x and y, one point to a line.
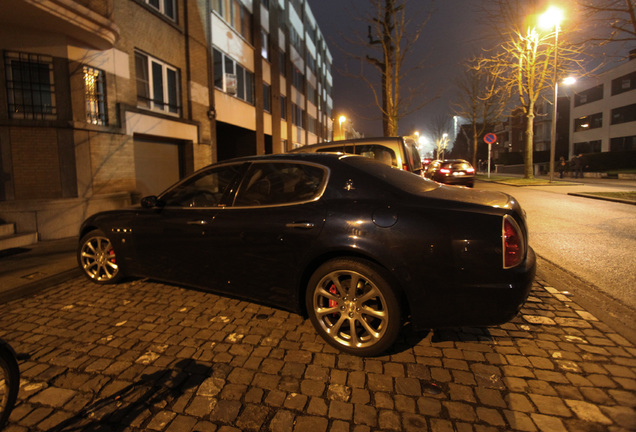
x: 529, y: 147
x: 475, y: 142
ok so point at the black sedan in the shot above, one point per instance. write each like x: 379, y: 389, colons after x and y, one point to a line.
x: 456, y: 172
x: 356, y: 245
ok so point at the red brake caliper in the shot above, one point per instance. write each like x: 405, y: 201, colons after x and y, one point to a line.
x: 333, y: 290
x: 112, y: 252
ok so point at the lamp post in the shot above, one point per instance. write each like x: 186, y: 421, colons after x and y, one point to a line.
x: 552, y: 17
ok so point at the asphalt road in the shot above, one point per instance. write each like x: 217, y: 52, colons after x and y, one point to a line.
x: 593, y: 240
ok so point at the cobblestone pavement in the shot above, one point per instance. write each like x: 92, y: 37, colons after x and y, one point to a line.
x: 154, y: 357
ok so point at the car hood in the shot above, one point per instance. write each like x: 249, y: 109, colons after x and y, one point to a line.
x: 471, y: 196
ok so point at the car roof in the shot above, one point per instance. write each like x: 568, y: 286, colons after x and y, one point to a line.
x: 356, y: 141
x: 307, y: 157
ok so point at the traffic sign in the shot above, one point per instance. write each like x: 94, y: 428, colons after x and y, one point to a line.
x: 490, y: 138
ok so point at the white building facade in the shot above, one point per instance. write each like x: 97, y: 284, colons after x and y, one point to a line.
x: 603, y: 112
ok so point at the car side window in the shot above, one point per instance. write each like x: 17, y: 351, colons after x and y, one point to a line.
x: 207, y: 189
x: 280, y: 183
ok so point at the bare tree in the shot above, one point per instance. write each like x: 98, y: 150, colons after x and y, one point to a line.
x: 525, y: 63
x: 439, y: 128
x: 392, y: 33
x: 478, y: 102
x: 616, y: 17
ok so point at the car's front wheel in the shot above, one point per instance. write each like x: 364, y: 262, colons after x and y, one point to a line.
x: 97, y: 258
x: 353, y: 306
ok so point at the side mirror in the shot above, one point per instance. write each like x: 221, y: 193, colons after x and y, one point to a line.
x: 149, y: 201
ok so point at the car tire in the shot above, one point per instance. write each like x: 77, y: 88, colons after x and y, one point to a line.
x: 363, y: 322
x: 97, y: 258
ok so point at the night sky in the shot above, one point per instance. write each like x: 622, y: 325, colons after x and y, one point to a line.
x: 450, y: 36
x: 456, y: 31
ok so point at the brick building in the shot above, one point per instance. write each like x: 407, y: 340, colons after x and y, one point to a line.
x: 104, y: 101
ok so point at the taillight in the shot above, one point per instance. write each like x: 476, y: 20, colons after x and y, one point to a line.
x: 470, y: 170
x: 513, y: 244
x: 445, y: 170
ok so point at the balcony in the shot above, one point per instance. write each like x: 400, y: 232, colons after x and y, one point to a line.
x: 88, y: 22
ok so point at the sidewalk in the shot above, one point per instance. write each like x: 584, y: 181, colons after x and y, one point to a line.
x: 26, y: 270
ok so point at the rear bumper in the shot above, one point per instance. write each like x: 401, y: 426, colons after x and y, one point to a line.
x: 475, y: 304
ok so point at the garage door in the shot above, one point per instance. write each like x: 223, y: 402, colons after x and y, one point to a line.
x: 157, y: 165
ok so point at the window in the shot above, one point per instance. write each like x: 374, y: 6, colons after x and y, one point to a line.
x: 627, y: 143
x: 280, y: 184
x: 591, y: 121
x: 283, y: 108
x: 587, y: 147
x: 624, y: 83
x: 624, y: 114
x: 30, y: 86
x: 164, y: 7
x: 264, y: 44
x: 297, y: 115
x: 298, y: 80
x: 267, y: 98
x: 236, y: 15
x: 208, y: 189
x: 590, y: 95
x: 95, y: 96
x: 232, y: 78
x: 157, y: 85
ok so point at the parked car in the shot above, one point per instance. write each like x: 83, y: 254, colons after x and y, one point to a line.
x: 398, y: 152
x: 452, y: 172
x: 356, y: 245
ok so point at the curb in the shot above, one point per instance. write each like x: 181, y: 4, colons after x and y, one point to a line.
x: 39, y: 285
x: 587, y: 195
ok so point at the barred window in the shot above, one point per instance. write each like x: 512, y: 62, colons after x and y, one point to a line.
x: 95, y: 96
x: 30, y: 86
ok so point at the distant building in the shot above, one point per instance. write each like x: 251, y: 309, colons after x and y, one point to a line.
x: 604, y: 111
x: 102, y: 102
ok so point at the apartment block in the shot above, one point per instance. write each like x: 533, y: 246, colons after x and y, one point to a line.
x: 604, y: 111
x: 105, y: 101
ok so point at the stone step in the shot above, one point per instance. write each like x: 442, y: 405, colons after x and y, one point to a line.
x: 7, y: 229
x: 18, y: 240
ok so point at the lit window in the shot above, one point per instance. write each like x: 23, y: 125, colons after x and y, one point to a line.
x: 157, y: 85
x: 30, y: 86
x: 95, y: 96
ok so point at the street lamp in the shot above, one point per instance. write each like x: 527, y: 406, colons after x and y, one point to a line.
x: 552, y: 18
x: 341, y: 120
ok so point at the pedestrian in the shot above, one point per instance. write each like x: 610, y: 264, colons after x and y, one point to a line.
x: 561, y: 167
x: 578, y: 166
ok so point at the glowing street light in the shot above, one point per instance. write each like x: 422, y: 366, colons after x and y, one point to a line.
x: 552, y: 18
x: 341, y: 120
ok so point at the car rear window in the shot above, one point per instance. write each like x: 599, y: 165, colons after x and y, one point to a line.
x: 458, y: 166
x: 405, y: 180
x: 415, y: 161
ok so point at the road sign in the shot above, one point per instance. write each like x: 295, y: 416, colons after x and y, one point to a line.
x: 490, y: 138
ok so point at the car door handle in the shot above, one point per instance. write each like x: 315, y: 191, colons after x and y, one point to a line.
x: 303, y: 225
x: 197, y: 222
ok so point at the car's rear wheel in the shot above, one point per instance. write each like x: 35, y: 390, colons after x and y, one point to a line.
x: 97, y: 257
x: 353, y: 306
